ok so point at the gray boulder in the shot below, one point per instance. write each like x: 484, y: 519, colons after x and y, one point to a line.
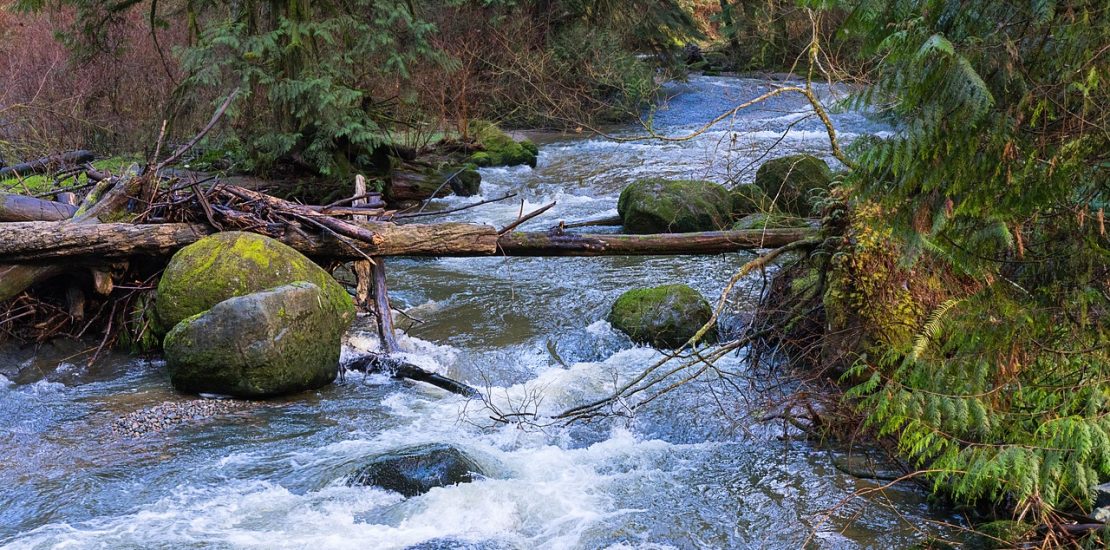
x: 674, y: 206
x: 664, y: 316
x: 264, y: 344
x: 416, y: 470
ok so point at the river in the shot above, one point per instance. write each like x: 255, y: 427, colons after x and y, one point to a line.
x: 694, y: 470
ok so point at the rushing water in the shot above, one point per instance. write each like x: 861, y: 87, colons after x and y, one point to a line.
x: 692, y: 471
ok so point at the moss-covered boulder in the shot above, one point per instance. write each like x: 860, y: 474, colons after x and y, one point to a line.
x: 792, y: 181
x: 674, y: 206
x: 231, y: 264
x: 748, y: 198
x: 268, y: 343
x: 498, y: 149
x: 663, y: 316
x: 765, y: 220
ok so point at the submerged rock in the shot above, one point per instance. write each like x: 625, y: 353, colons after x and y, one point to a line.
x: 664, y: 316
x: 674, y: 206
x: 416, y: 470
x: 791, y: 182
x: 498, y: 149
x: 233, y: 263
x: 269, y: 343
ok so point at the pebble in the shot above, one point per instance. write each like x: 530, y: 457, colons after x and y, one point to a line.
x: 172, y: 413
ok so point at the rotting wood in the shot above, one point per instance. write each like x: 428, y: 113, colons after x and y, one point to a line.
x: 21, y: 208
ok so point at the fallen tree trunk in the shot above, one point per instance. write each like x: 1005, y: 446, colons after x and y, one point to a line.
x: 41, y: 241
x: 47, y: 164
x: 521, y: 243
x: 21, y: 208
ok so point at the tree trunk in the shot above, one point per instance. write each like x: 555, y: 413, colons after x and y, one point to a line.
x: 521, y: 243
x: 46, y: 164
x: 39, y: 241
x: 20, y: 208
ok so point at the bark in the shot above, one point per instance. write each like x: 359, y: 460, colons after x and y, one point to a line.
x: 20, y: 208
x: 521, y: 243
x: 47, y: 164
x: 41, y: 241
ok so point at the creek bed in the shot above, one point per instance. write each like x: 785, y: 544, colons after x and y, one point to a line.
x: 693, y: 471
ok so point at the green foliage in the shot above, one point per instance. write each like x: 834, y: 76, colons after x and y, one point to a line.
x: 303, y: 68
x: 991, y: 420
x: 998, y: 172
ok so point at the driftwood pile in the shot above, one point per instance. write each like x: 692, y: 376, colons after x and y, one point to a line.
x: 111, y: 243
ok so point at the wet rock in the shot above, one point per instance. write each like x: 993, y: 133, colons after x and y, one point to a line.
x: 748, y: 198
x: 674, y: 206
x: 269, y: 343
x: 231, y: 264
x: 664, y: 316
x: 416, y: 470
x: 498, y: 149
x: 791, y: 182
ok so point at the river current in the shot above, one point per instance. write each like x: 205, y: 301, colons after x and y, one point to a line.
x: 694, y: 470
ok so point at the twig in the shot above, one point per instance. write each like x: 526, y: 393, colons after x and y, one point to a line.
x: 180, y: 152
x: 452, y: 210
x: 525, y: 218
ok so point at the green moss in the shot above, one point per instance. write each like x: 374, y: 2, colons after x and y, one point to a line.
x: 40, y: 183
x: 674, y: 206
x: 792, y: 182
x: 232, y: 263
x: 769, y: 221
x: 748, y: 198
x: 498, y: 149
x: 663, y: 316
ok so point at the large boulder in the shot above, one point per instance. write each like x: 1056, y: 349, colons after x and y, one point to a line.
x: 748, y: 198
x: 231, y: 264
x: 268, y: 343
x: 674, y: 206
x: 664, y: 316
x: 416, y: 470
x: 792, y: 181
x: 498, y: 149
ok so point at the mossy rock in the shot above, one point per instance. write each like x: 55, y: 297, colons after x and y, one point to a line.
x: 275, y: 342
x: 663, y: 316
x: 748, y: 198
x: 765, y: 220
x: 498, y: 149
x: 674, y: 206
x: 792, y: 181
x: 234, y: 263
x: 466, y: 181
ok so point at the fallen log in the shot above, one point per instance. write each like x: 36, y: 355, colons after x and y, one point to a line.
x: 46, y: 164
x: 400, y: 369
x: 523, y: 243
x: 21, y: 208
x: 43, y: 241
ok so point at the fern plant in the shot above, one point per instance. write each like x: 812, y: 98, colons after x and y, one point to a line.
x: 999, y: 170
